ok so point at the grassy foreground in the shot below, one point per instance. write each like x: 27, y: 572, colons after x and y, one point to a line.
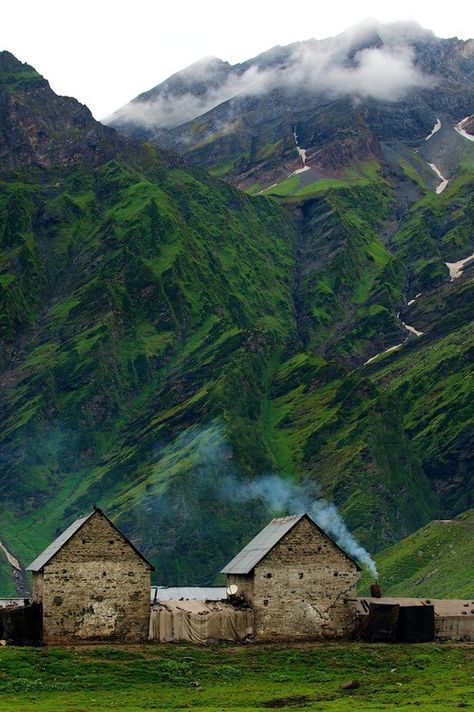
x: 218, y: 677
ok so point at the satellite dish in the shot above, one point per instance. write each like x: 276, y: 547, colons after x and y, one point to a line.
x: 232, y: 589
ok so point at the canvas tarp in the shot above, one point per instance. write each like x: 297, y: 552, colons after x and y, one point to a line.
x: 199, y: 621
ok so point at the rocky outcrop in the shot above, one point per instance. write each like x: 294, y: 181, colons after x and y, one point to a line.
x: 239, y: 120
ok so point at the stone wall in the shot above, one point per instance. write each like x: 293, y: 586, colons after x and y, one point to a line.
x: 95, y: 588
x: 245, y: 585
x: 299, y: 589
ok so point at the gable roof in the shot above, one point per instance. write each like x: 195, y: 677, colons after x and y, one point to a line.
x: 263, y: 543
x: 68, y: 533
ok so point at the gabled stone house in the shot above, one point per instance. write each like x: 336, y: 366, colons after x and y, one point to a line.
x: 297, y: 580
x: 93, y: 585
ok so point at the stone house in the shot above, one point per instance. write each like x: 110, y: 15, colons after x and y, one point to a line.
x: 93, y: 585
x: 297, y: 580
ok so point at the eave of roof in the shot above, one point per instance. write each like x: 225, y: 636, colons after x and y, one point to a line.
x: 264, y: 541
x: 68, y: 533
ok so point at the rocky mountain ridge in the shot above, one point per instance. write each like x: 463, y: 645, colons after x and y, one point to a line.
x: 168, y: 341
x: 346, y: 100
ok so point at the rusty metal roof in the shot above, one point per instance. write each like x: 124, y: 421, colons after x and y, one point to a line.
x: 188, y: 593
x: 59, y: 542
x: 249, y: 557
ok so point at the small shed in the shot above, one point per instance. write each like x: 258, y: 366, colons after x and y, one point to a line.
x: 297, y: 580
x: 453, y: 618
x: 93, y: 584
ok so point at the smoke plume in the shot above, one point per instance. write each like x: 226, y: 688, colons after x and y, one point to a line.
x: 214, y: 481
x: 283, y: 496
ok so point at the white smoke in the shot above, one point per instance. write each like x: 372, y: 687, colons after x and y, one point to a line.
x: 385, y: 72
x: 280, y: 495
x: 285, y: 496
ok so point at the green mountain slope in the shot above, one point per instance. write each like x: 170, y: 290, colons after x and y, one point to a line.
x: 168, y: 341
x: 435, y: 561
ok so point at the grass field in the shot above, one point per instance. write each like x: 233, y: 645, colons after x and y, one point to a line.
x: 221, y: 678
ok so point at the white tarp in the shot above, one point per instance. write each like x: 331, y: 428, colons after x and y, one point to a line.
x: 199, y: 621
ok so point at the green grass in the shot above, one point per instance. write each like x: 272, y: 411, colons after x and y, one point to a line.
x: 412, y: 174
x: 224, y: 677
x: 431, y: 562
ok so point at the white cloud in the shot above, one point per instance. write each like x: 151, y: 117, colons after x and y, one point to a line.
x: 384, y: 72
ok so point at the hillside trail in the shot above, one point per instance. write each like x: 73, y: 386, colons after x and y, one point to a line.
x: 18, y: 575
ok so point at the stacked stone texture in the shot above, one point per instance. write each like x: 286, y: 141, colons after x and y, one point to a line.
x: 96, y: 587
x: 300, y: 589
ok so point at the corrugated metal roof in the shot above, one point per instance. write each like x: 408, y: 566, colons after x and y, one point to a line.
x: 57, y: 544
x: 248, y: 558
x: 188, y: 593
x: 4, y: 602
x: 444, y: 607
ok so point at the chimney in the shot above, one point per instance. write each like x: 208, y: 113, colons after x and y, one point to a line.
x: 375, y: 590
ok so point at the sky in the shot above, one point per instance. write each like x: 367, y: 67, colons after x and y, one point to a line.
x: 105, y: 52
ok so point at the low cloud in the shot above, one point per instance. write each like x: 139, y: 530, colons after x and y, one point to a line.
x: 170, y: 109
x: 384, y: 72
x: 379, y: 73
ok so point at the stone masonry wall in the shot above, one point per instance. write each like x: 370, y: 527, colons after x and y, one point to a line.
x: 38, y: 586
x: 300, y: 588
x: 95, y: 588
x: 245, y: 585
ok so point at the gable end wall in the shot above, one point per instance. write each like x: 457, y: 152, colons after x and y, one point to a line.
x: 299, y: 589
x: 95, y: 588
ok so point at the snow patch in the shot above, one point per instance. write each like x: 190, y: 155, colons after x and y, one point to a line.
x: 265, y: 189
x: 456, y: 268
x: 412, y: 301
x: 412, y: 329
x: 409, y: 328
x: 300, y: 170
x: 392, y: 348
x: 460, y: 130
x: 301, y: 151
x: 435, y: 128
x: 302, y: 155
x: 444, y: 181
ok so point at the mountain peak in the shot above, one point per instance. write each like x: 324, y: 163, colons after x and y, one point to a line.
x: 16, y: 75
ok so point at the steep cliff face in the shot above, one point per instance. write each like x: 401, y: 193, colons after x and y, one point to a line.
x: 167, y: 341
x: 340, y: 99
x: 39, y: 128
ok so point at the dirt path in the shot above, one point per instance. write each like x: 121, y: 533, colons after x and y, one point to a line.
x: 18, y: 575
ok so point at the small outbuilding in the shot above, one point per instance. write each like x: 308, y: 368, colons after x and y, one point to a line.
x: 297, y: 580
x: 93, y: 585
x: 453, y: 618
